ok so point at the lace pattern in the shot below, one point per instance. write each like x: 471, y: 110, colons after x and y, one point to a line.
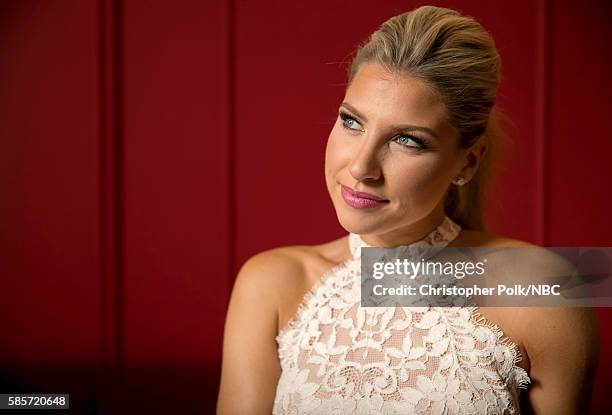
x: 337, y: 357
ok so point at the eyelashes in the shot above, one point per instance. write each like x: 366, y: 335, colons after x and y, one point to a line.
x: 346, y: 119
x: 403, y: 140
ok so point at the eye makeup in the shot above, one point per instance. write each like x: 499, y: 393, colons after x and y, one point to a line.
x: 402, y: 140
x: 346, y: 119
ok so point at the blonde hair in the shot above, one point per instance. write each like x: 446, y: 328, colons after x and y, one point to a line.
x: 457, y: 57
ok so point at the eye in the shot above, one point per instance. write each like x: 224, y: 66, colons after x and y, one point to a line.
x: 349, y: 122
x: 410, y: 141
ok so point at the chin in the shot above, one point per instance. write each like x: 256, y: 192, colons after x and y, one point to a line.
x: 360, y: 222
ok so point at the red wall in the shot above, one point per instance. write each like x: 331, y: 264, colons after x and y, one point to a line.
x: 149, y: 148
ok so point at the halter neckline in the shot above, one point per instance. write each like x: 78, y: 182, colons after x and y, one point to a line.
x: 442, y: 235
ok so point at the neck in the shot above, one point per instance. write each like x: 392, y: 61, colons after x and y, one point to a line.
x: 408, y: 234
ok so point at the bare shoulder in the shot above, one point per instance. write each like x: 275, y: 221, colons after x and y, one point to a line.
x: 563, y: 346
x: 536, y: 330
x: 470, y: 238
x: 281, y: 276
x: 265, y: 276
x: 266, y: 269
x: 531, y: 259
x: 250, y: 368
x: 543, y: 333
x: 291, y: 265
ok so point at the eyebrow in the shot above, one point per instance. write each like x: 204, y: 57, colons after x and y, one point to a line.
x: 401, y: 127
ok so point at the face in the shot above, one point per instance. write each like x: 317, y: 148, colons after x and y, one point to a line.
x: 392, y: 141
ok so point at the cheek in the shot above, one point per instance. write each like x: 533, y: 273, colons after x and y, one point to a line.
x: 423, y: 178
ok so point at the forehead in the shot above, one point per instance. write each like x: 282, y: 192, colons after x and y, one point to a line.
x: 394, y: 98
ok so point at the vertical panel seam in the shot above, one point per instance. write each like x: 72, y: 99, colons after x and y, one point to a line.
x: 119, y: 183
x: 231, y: 79
x: 111, y: 225
x: 107, y: 218
x: 106, y: 233
x: 542, y: 184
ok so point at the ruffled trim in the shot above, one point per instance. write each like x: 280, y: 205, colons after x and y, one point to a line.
x: 519, y: 376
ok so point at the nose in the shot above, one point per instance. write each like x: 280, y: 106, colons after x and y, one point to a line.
x: 365, y: 164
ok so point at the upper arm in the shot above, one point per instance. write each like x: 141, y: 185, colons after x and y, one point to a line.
x: 563, y: 347
x: 250, y: 365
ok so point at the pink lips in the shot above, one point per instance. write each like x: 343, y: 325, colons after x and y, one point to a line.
x: 360, y: 200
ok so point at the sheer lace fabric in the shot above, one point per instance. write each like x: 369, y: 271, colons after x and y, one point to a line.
x: 340, y: 358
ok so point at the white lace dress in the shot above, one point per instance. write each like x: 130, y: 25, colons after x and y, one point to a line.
x: 340, y: 358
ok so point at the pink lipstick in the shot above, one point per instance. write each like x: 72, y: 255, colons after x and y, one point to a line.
x: 360, y: 200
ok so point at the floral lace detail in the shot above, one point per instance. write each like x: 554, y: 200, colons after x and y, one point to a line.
x: 340, y: 358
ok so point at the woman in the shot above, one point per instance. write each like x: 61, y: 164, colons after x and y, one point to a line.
x: 406, y: 163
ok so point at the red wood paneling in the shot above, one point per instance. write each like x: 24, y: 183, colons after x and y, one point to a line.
x: 50, y: 298
x: 580, y: 144
x: 579, y: 111
x: 176, y: 192
x: 148, y: 149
